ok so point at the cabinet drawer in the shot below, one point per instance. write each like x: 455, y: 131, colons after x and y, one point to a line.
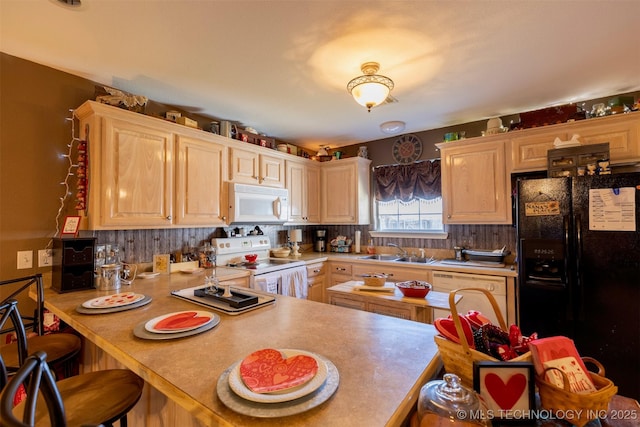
x: 314, y: 270
x: 388, y: 310
x: 342, y: 301
x: 341, y: 268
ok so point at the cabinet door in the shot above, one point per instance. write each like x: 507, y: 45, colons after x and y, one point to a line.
x: 316, y: 288
x: 244, y: 166
x: 339, y: 198
x: 313, y: 194
x: 622, y: 132
x: 199, y: 176
x: 136, y: 175
x: 303, y: 183
x: 474, y: 184
x: 297, y: 194
x: 271, y: 171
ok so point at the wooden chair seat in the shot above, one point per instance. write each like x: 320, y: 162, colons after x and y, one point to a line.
x: 96, y: 398
x: 100, y: 397
x: 60, y: 347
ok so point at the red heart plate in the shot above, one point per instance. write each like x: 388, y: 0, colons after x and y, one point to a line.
x: 181, y: 321
x: 268, y: 371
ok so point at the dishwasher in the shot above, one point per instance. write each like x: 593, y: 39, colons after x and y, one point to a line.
x: 446, y: 281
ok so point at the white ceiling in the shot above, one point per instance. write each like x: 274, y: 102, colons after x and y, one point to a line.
x: 282, y: 67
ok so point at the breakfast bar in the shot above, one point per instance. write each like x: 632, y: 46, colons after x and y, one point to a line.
x: 382, y: 362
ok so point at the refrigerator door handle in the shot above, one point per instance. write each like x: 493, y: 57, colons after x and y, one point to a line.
x: 578, y: 276
x: 568, y: 279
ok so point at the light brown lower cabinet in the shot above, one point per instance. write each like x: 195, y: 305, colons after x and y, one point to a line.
x: 316, y: 280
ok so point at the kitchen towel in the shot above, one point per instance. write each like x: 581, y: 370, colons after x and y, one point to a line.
x: 267, y: 284
x: 294, y: 282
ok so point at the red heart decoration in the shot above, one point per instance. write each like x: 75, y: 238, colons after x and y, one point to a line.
x: 477, y: 319
x: 267, y: 370
x: 447, y: 328
x: 182, y: 320
x: 505, y: 395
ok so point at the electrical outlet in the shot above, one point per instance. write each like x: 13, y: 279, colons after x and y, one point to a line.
x: 45, y: 258
x: 25, y: 259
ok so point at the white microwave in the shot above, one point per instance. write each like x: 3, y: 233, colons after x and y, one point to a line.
x: 256, y: 204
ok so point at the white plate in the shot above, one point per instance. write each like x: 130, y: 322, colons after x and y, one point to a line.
x: 237, y: 385
x: 147, y: 275
x: 192, y: 270
x: 114, y: 300
x: 151, y: 324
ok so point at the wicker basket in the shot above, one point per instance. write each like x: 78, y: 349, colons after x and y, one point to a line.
x: 576, y: 408
x: 458, y: 358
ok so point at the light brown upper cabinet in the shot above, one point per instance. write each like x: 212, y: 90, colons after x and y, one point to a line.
x: 345, y: 196
x: 249, y: 166
x: 199, y: 183
x: 622, y: 131
x: 149, y: 173
x: 303, y: 183
x: 475, y: 181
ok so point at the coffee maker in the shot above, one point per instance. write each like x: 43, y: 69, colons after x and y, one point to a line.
x: 320, y: 244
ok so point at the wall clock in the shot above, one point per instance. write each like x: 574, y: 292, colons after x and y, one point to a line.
x: 407, y: 149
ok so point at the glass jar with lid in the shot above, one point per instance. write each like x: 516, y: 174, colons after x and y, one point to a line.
x: 448, y: 403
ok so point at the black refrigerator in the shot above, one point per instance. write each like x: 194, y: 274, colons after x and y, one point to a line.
x: 579, y: 267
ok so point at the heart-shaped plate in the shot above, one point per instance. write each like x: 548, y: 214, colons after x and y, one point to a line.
x: 180, y: 321
x: 269, y: 371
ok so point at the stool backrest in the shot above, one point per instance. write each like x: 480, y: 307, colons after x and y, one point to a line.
x: 35, y: 376
x: 9, y: 311
x: 19, y: 285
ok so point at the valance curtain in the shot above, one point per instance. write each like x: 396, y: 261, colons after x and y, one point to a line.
x: 405, y: 182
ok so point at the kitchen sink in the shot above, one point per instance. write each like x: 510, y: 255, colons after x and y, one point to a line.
x: 420, y: 260
x: 381, y: 257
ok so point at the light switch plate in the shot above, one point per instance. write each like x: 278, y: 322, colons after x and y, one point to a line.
x: 45, y: 258
x: 25, y: 259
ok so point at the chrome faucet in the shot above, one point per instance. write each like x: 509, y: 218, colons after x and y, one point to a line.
x: 402, y: 251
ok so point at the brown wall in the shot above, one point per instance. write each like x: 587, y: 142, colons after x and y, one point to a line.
x: 34, y: 103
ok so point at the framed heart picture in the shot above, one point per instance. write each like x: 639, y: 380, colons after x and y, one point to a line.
x: 508, y: 389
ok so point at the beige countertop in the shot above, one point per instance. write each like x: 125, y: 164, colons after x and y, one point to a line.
x: 382, y: 361
x: 509, y: 270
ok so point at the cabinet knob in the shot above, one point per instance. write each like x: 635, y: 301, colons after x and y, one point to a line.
x: 341, y: 269
x: 316, y: 271
x: 224, y: 218
x: 449, y: 216
x: 169, y: 218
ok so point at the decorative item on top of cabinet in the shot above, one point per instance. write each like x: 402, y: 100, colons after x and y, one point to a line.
x: 249, y: 166
x: 474, y: 181
x: 345, y: 191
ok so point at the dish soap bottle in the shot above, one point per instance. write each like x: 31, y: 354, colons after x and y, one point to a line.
x: 371, y: 249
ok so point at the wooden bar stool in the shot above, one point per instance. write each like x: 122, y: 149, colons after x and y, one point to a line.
x: 61, y: 348
x: 95, y: 398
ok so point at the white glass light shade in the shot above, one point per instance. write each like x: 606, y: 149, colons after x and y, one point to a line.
x: 370, y: 89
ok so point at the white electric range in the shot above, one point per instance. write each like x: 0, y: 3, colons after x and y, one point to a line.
x: 275, y: 275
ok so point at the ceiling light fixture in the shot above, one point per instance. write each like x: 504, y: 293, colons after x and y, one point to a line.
x: 370, y: 89
x: 394, y: 126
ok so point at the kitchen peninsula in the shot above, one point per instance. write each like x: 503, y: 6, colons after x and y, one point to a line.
x: 382, y: 361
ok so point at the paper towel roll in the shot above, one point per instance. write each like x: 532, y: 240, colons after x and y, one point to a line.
x: 357, y: 239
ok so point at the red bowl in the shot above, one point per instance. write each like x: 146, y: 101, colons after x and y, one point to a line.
x: 414, y: 288
x: 251, y: 257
